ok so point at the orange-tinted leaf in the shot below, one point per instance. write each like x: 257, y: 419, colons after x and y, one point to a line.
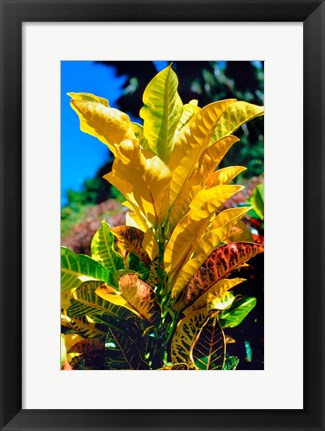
x: 130, y: 239
x: 140, y: 296
x: 219, y: 264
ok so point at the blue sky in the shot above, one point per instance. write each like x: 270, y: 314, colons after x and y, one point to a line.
x: 82, y: 154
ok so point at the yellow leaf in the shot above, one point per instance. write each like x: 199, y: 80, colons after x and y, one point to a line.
x: 186, y: 332
x: 209, y: 160
x: 109, y: 125
x: 111, y: 295
x: 89, y: 97
x: 189, y: 110
x: 236, y: 115
x: 193, y: 225
x: 131, y: 239
x: 220, y: 229
x: 191, y: 141
x: 215, y: 293
x: 223, y: 176
x: 144, y: 181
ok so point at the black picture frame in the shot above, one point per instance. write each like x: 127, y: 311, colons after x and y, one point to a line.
x: 13, y: 14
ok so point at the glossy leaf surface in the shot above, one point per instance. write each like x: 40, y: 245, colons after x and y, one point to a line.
x: 161, y: 112
x: 208, y: 351
x: 239, y: 310
x: 218, y: 265
x: 77, y: 268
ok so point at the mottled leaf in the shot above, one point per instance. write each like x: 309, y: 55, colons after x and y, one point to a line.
x: 102, y: 249
x: 141, y: 297
x: 208, y: 351
x: 77, y: 268
x: 218, y: 265
x: 185, y: 335
x: 122, y: 353
x: 130, y: 239
x: 236, y: 115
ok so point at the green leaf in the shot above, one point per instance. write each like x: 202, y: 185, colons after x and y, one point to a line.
x: 87, y: 302
x: 208, y: 351
x: 237, y: 313
x: 103, y: 251
x: 257, y: 201
x: 82, y: 327
x: 231, y: 363
x: 122, y: 353
x: 161, y: 112
x: 77, y: 268
x: 63, y: 351
x: 234, y: 116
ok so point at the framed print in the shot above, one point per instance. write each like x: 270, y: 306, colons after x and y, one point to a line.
x: 47, y: 47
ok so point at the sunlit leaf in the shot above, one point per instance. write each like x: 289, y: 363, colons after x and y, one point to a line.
x: 140, y: 296
x: 102, y: 249
x: 236, y: 115
x: 191, y: 141
x: 239, y: 310
x: 208, y: 351
x: 220, y: 229
x: 107, y: 293
x: 217, y: 292
x: 77, y: 268
x: 223, y: 176
x: 143, y: 179
x: 89, y: 98
x: 218, y: 265
x: 161, y: 111
x: 185, y: 335
x: 109, y: 125
x: 88, y: 302
x: 193, y: 225
x: 189, y: 110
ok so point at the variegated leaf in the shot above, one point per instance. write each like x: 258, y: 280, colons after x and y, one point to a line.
x: 241, y: 307
x: 77, y: 268
x: 234, y: 116
x: 161, y: 111
x: 189, y: 110
x: 122, y: 353
x: 175, y: 367
x: 82, y: 327
x: 218, y: 265
x: 87, y: 302
x: 217, y: 292
x: 219, y: 231
x: 102, y: 249
x: 208, y: 351
x: 193, y: 225
x: 89, y: 98
x: 130, y: 239
x: 185, y: 335
x: 191, y: 141
x: 141, y: 297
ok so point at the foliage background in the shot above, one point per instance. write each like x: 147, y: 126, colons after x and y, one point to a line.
x: 86, y: 198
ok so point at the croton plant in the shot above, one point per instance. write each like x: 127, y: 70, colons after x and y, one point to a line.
x: 156, y: 293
